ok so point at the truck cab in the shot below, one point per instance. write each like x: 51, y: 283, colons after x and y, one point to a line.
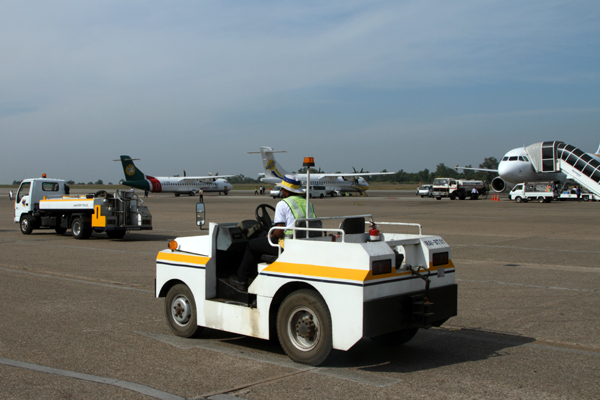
x: 31, y: 191
x: 324, y: 291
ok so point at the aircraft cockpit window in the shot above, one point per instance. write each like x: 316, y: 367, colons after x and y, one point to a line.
x: 505, y: 158
x: 525, y: 159
x: 521, y: 158
x: 513, y: 158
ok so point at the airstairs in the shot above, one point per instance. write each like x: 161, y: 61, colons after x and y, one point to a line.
x: 561, y: 157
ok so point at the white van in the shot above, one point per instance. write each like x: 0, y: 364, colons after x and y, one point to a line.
x: 316, y: 191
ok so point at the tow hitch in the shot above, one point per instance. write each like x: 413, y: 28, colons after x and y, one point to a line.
x: 421, y: 315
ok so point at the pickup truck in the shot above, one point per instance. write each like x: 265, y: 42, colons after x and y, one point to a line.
x: 523, y: 193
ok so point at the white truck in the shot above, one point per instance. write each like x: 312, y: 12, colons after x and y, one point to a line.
x: 323, y: 292
x: 571, y: 194
x: 458, y: 188
x: 523, y: 193
x: 43, y: 203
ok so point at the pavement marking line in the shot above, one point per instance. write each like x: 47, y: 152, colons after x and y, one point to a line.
x: 135, y: 387
x: 211, y: 395
x: 76, y: 280
x: 365, y: 378
x: 531, y: 286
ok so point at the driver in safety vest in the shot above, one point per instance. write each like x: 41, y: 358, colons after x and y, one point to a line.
x: 287, y: 211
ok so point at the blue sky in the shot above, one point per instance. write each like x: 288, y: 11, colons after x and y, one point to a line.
x: 377, y: 85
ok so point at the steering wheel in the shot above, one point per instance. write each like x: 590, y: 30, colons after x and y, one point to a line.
x: 263, y: 217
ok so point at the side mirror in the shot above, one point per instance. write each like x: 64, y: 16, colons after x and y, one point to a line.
x: 11, y: 195
x: 200, y: 214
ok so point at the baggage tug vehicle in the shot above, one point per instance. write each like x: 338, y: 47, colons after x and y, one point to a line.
x: 325, y: 290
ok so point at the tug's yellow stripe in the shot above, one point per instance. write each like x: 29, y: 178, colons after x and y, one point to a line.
x: 185, y: 258
x: 318, y: 271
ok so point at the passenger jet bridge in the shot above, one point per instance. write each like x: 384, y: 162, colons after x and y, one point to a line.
x: 561, y: 157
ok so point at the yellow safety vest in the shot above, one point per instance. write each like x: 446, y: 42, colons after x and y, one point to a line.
x: 298, y: 206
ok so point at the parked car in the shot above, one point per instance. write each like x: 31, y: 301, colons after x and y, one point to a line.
x: 275, y: 192
x: 425, y: 190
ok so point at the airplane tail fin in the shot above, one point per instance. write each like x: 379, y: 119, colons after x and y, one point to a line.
x: 272, y: 169
x: 129, y: 169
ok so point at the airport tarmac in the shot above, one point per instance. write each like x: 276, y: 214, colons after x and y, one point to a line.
x: 80, y: 320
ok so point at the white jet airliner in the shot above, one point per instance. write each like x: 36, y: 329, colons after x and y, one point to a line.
x: 516, y: 166
x: 334, y: 183
x: 191, y: 185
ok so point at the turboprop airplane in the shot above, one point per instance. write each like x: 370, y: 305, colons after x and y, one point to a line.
x: 190, y: 185
x: 335, y: 184
x: 526, y: 164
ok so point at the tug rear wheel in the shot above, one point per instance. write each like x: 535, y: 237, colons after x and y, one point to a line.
x: 395, y: 338
x: 304, y: 327
x: 180, y: 309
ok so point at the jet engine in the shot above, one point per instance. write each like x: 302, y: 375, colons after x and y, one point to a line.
x: 499, y: 185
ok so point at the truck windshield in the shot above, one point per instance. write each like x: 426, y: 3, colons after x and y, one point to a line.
x: 23, y: 191
x: 440, y: 182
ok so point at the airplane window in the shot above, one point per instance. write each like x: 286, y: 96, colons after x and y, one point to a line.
x: 526, y: 159
x: 505, y: 159
x: 521, y: 158
x: 513, y: 158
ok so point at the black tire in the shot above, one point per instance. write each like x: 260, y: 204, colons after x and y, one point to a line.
x: 541, y: 200
x: 180, y: 309
x: 116, y: 234
x: 80, y: 230
x: 322, y: 195
x: 586, y: 198
x: 395, y: 338
x: 304, y: 327
x: 26, y: 224
x: 518, y: 199
x: 438, y: 198
x: 60, y: 231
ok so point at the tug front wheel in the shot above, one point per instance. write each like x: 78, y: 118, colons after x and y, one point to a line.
x: 304, y: 327
x: 180, y: 309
